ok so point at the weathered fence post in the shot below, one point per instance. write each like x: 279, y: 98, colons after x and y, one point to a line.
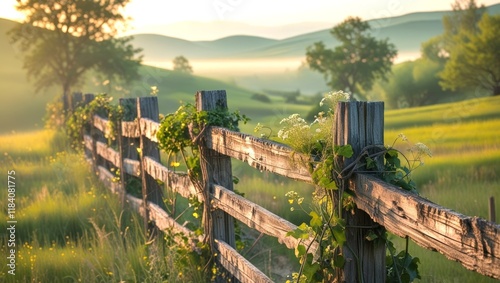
x: 127, y: 145
x: 360, y: 124
x: 70, y: 101
x: 89, y: 153
x: 96, y: 134
x: 147, y: 107
x: 216, y: 169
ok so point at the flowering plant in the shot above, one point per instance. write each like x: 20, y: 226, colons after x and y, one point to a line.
x: 330, y: 200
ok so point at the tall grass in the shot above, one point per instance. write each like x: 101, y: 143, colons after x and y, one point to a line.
x: 71, y: 229
x: 462, y: 174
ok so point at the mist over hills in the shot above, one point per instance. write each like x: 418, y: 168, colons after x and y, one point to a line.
x: 407, y: 32
x: 242, y: 64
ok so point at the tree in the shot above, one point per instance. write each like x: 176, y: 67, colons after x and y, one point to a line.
x: 181, y: 64
x: 476, y: 63
x: 413, y: 83
x: 357, y: 62
x: 468, y: 49
x: 458, y: 26
x: 64, y: 40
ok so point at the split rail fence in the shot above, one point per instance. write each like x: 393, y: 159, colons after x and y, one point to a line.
x: 472, y: 241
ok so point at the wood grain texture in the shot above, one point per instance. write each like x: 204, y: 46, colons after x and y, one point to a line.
x: 255, y: 216
x: 472, y: 241
x: 215, y: 169
x: 108, y: 153
x: 359, y: 124
x: 238, y: 266
x: 149, y: 128
x: 147, y: 109
x: 130, y: 129
x: 102, y: 124
x: 87, y: 142
x: 107, y: 178
x: 132, y: 167
x: 178, y: 182
x: 264, y: 155
x: 164, y: 222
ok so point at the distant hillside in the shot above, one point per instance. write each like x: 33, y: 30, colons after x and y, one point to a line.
x: 407, y: 32
x: 262, y: 63
x: 21, y: 109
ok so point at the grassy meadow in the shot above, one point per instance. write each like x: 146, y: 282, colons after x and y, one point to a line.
x: 462, y: 174
x: 72, y: 229
x: 95, y: 238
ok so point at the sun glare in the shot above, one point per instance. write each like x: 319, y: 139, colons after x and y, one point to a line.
x: 8, y: 10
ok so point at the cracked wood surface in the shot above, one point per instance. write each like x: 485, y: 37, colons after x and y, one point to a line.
x: 472, y: 241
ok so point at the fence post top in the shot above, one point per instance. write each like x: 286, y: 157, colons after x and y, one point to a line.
x: 211, y: 99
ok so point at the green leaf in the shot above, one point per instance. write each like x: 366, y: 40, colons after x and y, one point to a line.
x: 236, y: 180
x: 343, y: 150
x: 370, y: 163
x: 392, y: 152
x: 339, y: 233
x: 300, y: 250
x: 371, y: 236
x: 390, y: 247
x: 310, y: 268
x: 302, y: 232
x: 316, y: 221
x: 338, y: 261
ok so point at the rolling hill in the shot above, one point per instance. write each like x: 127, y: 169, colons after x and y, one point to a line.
x: 260, y: 60
x: 407, y: 32
x: 21, y: 109
x: 263, y: 63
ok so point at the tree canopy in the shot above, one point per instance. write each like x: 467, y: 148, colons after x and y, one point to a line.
x: 468, y: 50
x: 413, y: 83
x: 458, y: 25
x: 63, y: 40
x: 181, y: 64
x: 360, y: 58
x: 476, y: 63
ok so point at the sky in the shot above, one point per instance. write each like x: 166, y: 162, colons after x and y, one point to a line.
x: 212, y: 19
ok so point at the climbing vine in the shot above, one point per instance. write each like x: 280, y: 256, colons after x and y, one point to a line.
x: 78, y: 122
x: 179, y: 134
x: 180, y: 131
x: 323, y: 239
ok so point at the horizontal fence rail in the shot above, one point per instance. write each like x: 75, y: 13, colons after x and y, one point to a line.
x: 472, y: 241
x: 261, y: 154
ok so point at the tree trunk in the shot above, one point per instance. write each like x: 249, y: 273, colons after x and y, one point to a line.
x: 496, y: 90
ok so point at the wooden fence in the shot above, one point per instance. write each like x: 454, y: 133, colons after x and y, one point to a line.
x: 472, y: 241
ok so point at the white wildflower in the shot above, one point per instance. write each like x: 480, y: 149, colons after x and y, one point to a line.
x: 154, y: 90
x: 332, y: 98
x: 402, y: 137
x: 423, y: 149
x: 322, y: 102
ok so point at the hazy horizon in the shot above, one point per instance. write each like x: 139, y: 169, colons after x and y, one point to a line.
x: 215, y: 19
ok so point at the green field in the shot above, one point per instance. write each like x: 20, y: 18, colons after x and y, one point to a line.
x: 462, y: 174
x: 69, y: 227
